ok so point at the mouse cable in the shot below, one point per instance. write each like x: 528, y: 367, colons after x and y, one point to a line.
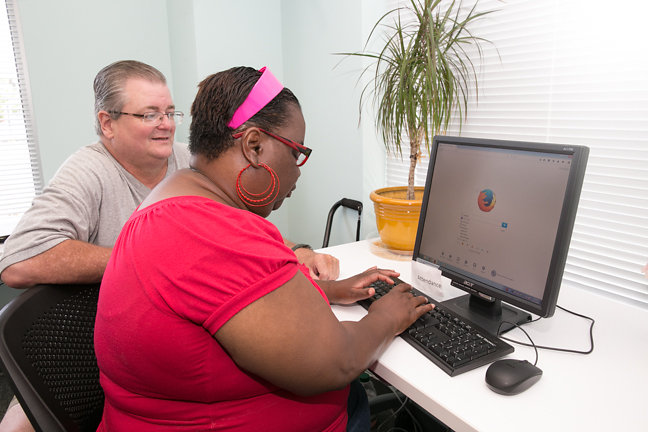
x: 527, y: 335
x: 385, y: 423
x: 403, y: 407
x: 591, y: 335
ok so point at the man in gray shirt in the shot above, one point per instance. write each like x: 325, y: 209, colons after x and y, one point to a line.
x: 68, y: 233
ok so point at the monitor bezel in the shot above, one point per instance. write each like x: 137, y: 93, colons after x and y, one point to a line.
x: 547, y: 305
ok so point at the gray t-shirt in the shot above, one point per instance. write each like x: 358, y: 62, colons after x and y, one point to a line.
x: 89, y: 198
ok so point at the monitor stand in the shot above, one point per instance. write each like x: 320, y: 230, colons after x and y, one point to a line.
x: 487, y: 314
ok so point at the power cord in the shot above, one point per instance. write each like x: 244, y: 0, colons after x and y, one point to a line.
x: 403, y: 400
x: 387, y: 419
x: 536, y: 347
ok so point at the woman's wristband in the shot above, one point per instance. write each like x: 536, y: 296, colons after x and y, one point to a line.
x: 301, y: 246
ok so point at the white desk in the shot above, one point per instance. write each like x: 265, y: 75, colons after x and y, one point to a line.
x: 603, y: 391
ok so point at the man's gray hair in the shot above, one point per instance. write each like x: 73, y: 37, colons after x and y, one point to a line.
x: 110, y: 81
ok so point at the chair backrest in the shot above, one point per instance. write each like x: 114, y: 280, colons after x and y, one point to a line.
x: 344, y: 202
x: 47, y: 352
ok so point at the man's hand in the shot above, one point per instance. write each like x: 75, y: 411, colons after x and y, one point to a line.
x: 320, y: 266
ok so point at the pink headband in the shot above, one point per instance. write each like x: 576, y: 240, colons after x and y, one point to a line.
x: 265, y: 89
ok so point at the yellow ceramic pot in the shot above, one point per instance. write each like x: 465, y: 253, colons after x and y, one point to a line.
x: 396, y: 217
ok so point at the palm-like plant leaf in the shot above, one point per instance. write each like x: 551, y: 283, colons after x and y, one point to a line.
x: 422, y: 74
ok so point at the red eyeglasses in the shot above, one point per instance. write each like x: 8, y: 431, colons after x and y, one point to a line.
x: 303, y: 151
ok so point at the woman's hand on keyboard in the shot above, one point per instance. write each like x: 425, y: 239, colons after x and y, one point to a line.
x: 401, y: 306
x: 350, y: 290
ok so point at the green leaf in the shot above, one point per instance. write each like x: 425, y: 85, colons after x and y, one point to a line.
x: 422, y: 73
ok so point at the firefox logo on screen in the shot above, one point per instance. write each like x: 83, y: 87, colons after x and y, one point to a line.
x: 486, y: 200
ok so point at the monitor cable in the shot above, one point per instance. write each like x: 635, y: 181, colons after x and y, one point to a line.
x: 387, y: 427
x: 390, y: 421
x: 536, y: 347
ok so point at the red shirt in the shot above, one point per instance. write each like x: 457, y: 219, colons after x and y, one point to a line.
x: 180, y: 269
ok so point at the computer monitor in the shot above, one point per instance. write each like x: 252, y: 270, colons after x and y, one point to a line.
x: 496, y: 219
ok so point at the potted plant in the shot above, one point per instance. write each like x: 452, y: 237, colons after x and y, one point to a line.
x: 422, y: 75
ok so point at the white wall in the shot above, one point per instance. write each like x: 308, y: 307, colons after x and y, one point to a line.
x: 238, y: 33
x: 184, y: 64
x: 313, y: 31
x: 68, y: 41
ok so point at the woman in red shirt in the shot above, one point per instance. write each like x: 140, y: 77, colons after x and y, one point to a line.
x: 206, y: 321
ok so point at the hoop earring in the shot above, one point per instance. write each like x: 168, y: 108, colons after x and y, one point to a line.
x: 261, y: 199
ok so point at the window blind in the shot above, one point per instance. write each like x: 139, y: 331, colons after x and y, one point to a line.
x: 573, y: 72
x: 20, y: 173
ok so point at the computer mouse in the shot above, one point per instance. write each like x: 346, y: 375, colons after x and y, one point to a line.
x: 510, y: 376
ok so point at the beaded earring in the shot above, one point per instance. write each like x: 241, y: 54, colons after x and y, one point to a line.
x: 261, y: 199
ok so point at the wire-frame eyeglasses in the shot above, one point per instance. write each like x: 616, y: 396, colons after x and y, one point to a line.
x: 154, y: 118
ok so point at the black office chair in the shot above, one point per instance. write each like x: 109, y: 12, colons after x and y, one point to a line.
x: 47, y: 352
x: 344, y: 202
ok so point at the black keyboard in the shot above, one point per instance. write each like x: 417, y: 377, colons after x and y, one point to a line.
x: 451, y: 342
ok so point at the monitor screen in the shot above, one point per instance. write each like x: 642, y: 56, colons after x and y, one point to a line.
x: 496, y: 219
